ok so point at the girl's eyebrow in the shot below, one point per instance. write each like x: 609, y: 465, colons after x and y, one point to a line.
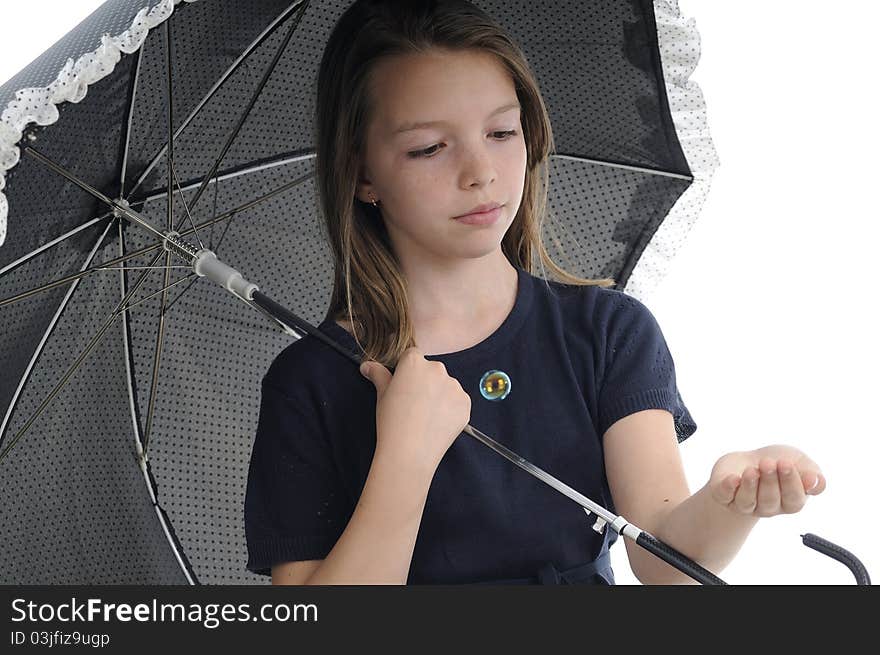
x: 407, y: 127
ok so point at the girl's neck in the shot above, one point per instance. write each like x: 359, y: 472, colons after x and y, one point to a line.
x: 453, y: 318
x: 466, y: 293
x: 465, y: 325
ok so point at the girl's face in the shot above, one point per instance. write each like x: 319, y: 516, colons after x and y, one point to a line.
x: 472, y: 155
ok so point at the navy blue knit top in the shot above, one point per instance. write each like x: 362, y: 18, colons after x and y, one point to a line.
x: 576, y: 359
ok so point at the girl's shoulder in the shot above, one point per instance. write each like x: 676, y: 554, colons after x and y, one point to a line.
x: 345, y: 325
x: 306, y: 359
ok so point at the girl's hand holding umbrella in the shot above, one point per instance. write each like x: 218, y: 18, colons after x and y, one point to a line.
x: 420, y: 410
x: 765, y: 482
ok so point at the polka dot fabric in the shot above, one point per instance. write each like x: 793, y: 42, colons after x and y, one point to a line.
x: 679, y: 44
x: 632, y: 166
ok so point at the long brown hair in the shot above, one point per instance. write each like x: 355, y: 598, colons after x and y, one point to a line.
x: 369, y: 289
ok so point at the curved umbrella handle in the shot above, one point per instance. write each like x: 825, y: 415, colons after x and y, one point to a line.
x: 840, y: 554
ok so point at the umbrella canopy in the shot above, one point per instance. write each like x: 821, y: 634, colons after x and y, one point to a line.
x: 111, y: 349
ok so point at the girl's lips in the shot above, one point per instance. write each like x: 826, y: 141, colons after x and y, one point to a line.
x: 482, y: 218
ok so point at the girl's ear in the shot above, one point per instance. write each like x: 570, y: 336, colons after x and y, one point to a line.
x: 365, y: 192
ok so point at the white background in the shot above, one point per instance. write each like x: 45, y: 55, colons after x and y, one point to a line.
x: 768, y: 308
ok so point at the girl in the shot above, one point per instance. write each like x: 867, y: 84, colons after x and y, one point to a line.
x: 432, y: 150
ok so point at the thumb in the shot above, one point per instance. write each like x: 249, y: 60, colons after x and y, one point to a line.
x: 724, y: 490
x: 377, y: 374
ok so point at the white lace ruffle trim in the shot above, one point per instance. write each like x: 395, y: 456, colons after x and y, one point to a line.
x: 679, y: 44
x: 38, y: 104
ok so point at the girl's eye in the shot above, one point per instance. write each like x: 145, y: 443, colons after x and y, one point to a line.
x: 429, y: 152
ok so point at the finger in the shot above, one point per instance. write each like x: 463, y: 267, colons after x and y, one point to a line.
x: 819, y: 486
x: 805, y: 463
x: 793, y: 495
x: 769, y: 496
x: 746, y: 495
x: 725, y: 491
x: 810, y: 473
x: 811, y: 479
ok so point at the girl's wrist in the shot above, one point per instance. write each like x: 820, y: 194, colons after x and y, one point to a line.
x: 407, y: 470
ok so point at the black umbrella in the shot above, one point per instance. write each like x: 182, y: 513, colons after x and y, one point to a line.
x: 130, y: 392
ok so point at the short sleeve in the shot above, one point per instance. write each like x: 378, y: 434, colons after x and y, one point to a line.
x: 639, y: 369
x: 293, y: 507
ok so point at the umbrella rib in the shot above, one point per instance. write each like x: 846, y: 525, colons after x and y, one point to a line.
x: 213, y: 249
x: 137, y: 268
x: 248, y: 205
x: 183, y: 291
x: 24, y: 258
x: 211, y: 246
x: 246, y: 113
x: 186, y: 208
x: 160, y: 332
x: 288, y: 159
x: 127, y: 138
x: 599, y: 162
x: 85, y: 186
x: 169, y: 115
x: 223, y: 234
x: 79, y: 360
x: 76, y: 276
x: 225, y: 215
x: 231, y: 173
x: 214, y: 212
x: 156, y: 293
x: 141, y: 447
x: 270, y: 29
x: 49, y: 329
x: 126, y: 346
